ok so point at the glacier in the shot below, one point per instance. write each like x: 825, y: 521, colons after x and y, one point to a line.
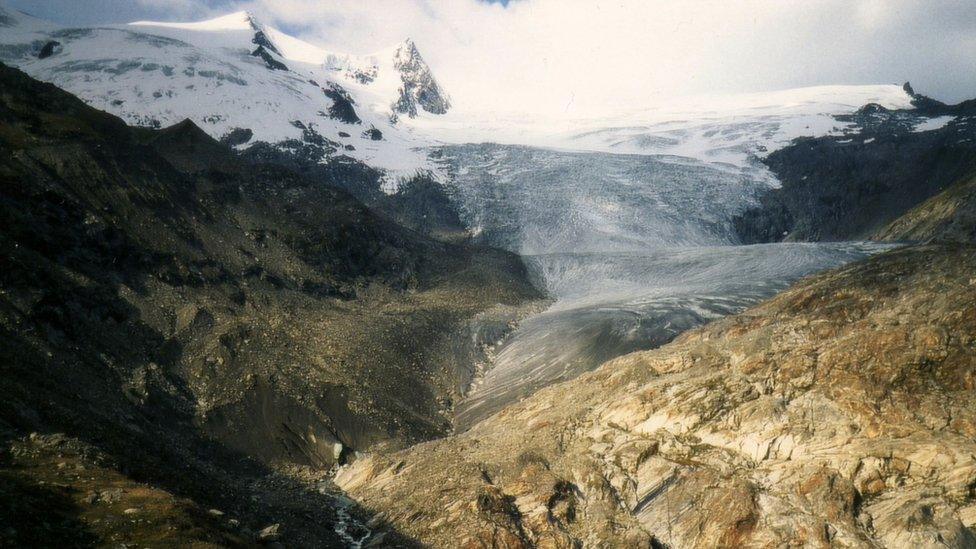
x: 632, y: 249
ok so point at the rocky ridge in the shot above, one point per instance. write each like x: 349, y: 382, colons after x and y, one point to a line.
x: 851, y: 186
x: 209, y: 324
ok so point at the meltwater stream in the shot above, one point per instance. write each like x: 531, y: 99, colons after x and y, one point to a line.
x: 633, y: 249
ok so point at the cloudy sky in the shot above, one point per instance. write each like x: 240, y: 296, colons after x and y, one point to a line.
x: 577, y: 56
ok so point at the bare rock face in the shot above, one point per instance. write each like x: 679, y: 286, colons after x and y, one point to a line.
x: 418, y: 90
x: 839, y: 413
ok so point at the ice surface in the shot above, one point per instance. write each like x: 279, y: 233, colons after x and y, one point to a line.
x: 535, y: 201
x: 734, y: 129
x: 610, y: 304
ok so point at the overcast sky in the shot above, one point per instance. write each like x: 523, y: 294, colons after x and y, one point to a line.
x: 578, y: 56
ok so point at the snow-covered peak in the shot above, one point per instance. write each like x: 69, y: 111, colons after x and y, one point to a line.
x: 240, y: 30
x: 407, y: 52
x: 237, y: 78
x: 398, y: 78
x: 394, y: 81
x: 250, y: 27
x: 234, y: 73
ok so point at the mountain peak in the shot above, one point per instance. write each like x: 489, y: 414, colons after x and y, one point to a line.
x: 252, y: 20
x: 406, y: 52
x: 408, y: 45
x: 261, y: 38
x: 409, y: 77
x: 419, y: 88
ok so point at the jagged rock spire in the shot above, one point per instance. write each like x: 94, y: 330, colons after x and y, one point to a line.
x: 419, y: 89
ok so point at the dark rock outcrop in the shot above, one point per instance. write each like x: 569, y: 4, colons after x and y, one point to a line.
x: 237, y: 136
x: 269, y: 59
x: 851, y: 186
x: 933, y: 107
x: 342, y: 108
x: 48, y: 49
x: 261, y: 40
x: 373, y: 134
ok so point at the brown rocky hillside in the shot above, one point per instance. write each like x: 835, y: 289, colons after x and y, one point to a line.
x: 839, y: 413
x: 948, y: 216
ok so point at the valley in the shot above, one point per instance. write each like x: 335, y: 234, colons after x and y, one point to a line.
x: 255, y: 292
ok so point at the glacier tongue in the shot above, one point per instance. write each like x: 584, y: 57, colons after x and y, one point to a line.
x: 634, y: 250
x: 610, y: 304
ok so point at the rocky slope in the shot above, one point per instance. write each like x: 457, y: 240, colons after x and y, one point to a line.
x: 199, y: 321
x: 949, y: 215
x: 853, y: 185
x: 837, y: 414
